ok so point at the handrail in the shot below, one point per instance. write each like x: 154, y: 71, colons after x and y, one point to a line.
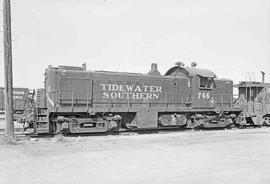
x: 221, y: 101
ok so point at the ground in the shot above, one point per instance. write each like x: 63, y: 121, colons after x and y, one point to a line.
x: 220, y: 156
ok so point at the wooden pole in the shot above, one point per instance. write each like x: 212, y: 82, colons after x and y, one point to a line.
x: 8, y: 71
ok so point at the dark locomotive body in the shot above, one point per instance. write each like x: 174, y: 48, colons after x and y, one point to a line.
x: 81, y: 101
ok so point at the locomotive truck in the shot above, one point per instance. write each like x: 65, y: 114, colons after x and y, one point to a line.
x: 81, y: 101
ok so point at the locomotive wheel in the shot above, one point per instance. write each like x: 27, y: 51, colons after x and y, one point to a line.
x: 242, y: 126
x: 117, y: 128
x: 52, y: 127
x: 229, y: 127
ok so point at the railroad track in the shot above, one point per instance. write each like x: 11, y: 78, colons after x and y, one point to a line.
x: 19, y: 134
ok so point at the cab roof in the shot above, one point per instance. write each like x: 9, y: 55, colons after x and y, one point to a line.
x: 190, y: 72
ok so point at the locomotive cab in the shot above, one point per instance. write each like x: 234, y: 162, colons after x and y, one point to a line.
x: 210, y: 98
x: 201, y: 84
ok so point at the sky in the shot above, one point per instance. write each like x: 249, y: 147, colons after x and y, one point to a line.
x: 228, y: 37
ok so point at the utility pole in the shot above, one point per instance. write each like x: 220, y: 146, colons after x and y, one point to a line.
x: 8, y: 71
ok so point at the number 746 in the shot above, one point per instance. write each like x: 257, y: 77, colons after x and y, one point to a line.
x: 203, y: 95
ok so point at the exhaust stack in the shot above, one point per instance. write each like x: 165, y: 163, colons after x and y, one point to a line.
x: 263, y: 75
x: 180, y: 64
x: 193, y: 64
x: 154, y: 70
x: 84, y: 66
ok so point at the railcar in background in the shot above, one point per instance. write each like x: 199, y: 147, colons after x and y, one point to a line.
x: 81, y: 101
x: 19, y: 101
x: 254, y: 100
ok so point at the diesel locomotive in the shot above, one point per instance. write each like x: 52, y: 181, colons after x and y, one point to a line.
x: 76, y: 100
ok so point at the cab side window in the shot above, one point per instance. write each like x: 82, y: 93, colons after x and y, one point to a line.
x: 206, y: 83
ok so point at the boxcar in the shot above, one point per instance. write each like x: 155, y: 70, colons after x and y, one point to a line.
x: 19, y: 100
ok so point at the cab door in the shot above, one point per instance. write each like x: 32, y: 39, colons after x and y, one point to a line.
x: 202, y: 92
x: 178, y: 93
